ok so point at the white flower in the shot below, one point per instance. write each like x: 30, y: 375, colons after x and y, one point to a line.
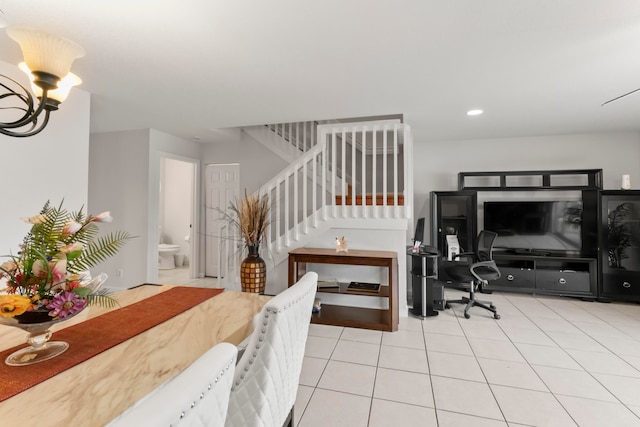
x: 37, y: 219
x: 103, y: 217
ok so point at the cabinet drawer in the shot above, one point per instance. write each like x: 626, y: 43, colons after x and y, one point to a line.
x: 515, y: 278
x: 562, y: 280
x: 622, y: 283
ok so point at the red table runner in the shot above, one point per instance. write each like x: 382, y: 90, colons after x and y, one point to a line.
x: 100, y: 333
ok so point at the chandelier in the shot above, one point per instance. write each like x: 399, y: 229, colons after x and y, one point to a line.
x: 48, y: 59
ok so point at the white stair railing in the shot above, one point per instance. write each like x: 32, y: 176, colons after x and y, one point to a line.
x: 288, y: 140
x: 341, y: 177
x: 354, y: 171
x: 300, y: 135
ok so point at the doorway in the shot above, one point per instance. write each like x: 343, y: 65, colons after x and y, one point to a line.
x: 176, y: 219
x: 222, y: 187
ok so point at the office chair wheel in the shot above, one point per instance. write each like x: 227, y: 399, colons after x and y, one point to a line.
x: 496, y: 316
x: 467, y: 316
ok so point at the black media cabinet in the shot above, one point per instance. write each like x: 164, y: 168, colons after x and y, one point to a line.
x: 620, y: 245
x: 552, y: 275
x: 573, y: 275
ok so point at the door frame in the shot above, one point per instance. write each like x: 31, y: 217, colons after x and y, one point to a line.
x: 195, y: 247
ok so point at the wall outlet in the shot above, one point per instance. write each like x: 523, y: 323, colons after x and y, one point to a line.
x: 119, y: 273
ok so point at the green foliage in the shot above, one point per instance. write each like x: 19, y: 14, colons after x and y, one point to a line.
x: 99, y: 250
x: 103, y: 299
x: 59, y: 246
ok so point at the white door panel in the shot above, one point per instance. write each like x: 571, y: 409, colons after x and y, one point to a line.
x: 222, y: 187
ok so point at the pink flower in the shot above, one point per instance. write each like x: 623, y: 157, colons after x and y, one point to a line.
x: 58, y: 268
x: 39, y: 268
x: 65, y: 304
x: 103, y: 217
x: 71, y: 227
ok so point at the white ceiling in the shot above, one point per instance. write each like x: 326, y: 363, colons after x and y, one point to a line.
x: 536, y: 67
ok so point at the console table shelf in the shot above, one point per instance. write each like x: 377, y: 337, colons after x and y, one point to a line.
x: 356, y: 317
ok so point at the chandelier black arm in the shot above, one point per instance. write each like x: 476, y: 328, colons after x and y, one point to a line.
x: 32, y: 130
x: 25, y: 98
x: 31, y: 114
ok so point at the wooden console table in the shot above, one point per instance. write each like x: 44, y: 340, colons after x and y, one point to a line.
x: 357, y: 317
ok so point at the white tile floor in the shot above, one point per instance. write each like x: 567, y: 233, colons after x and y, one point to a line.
x: 549, y: 361
x: 180, y: 276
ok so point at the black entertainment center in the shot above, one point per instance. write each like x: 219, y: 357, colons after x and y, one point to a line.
x: 548, y: 244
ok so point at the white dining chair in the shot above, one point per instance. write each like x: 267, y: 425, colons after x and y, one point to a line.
x: 196, y: 397
x: 267, y: 375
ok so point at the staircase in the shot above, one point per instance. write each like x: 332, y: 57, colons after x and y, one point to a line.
x: 287, y: 140
x: 352, y: 175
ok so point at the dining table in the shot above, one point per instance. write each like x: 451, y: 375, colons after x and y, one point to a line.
x: 94, y: 391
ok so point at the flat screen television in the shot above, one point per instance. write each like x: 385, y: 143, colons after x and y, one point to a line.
x: 535, y: 226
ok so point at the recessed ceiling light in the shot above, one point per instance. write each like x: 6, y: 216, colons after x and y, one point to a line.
x: 474, y: 112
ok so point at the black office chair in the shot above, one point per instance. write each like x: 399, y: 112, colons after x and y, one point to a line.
x: 481, y: 270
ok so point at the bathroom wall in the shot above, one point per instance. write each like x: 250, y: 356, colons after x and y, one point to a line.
x: 176, y: 201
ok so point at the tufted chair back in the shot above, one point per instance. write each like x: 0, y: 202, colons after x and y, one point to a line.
x: 196, y: 397
x: 266, y: 378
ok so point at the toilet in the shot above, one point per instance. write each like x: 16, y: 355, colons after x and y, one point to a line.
x: 166, y: 259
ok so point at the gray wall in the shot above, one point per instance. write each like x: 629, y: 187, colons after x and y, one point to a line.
x: 119, y: 182
x: 436, y: 165
x: 257, y: 163
x: 124, y: 176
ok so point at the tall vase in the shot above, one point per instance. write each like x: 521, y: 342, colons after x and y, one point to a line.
x: 253, y: 272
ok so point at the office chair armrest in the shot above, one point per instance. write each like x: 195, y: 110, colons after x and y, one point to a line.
x: 491, y: 265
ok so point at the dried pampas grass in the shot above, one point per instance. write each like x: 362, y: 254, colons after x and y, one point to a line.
x: 252, y: 217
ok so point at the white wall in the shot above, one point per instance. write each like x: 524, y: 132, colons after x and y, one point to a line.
x: 52, y: 165
x: 124, y: 178
x: 436, y: 165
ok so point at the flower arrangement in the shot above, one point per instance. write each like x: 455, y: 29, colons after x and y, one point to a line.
x: 46, y: 275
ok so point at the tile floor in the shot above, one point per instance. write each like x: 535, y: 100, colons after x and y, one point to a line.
x: 549, y: 361
x: 180, y: 276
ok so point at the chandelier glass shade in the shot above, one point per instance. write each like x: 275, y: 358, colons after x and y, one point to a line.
x: 48, y: 60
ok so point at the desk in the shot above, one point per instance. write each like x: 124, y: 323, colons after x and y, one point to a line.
x: 94, y: 392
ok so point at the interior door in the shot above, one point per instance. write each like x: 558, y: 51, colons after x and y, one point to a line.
x: 222, y: 186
